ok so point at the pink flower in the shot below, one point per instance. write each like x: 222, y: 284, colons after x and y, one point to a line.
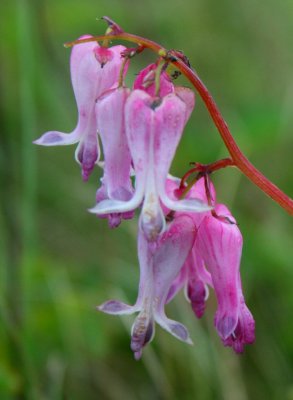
x: 217, y: 247
x: 94, y: 69
x: 219, y: 243
x: 193, y: 277
x: 116, y: 183
x: 160, y: 262
x: 153, y: 129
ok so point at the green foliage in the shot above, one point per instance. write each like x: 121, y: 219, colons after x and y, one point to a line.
x: 58, y: 261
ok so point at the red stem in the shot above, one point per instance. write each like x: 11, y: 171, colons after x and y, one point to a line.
x: 206, y: 168
x: 238, y: 157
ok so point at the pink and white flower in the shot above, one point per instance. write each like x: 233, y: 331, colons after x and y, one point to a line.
x: 215, y: 261
x: 116, y: 182
x: 219, y: 243
x: 160, y: 261
x: 94, y: 70
x: 153, y: 129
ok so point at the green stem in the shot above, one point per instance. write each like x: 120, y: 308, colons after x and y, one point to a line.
x: 157, y: 78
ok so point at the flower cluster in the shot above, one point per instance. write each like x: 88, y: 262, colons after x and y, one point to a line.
x: 185, y: 238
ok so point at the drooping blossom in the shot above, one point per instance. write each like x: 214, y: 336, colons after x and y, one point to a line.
x: 160, y: 262
x: 193, y: 277
x: 94, y: 69
x: 181, y: 242
x: 214, y: 261
x: 219, y: 243
x: 153, y: 129
x: 116, y: 182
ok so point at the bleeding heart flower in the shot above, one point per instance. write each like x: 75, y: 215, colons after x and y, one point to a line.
x: 153, y: 129
x: 116, y: 183
x: 94, y: 69
x: 219, y: 243
x: 160, y: 261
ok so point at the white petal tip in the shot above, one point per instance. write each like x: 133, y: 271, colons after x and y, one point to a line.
x: 55, y: 138
x: 192, y: 205
x: 112, y: 206
x: 115, y: 307
x: 186, y: 205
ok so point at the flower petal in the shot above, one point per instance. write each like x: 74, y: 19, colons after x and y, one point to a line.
x: 117, y: 206
x: 171, y: 253
x: 186, y: 95
x: 142, y: 333
x: 177, y: 283
x: 244, y: 332
x: 220, y: 245
x: 116, y: 307
x: 175, y: 328
x: 89, y: 81
x: 55, y: 138
x: 111, y: 126
x: 145, y: 81
x: 170, y: 118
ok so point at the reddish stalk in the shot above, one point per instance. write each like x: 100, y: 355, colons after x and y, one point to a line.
x: 238, y: 158
x: 206, y: 168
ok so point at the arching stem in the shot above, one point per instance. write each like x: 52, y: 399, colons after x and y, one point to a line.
x: 238, y: 158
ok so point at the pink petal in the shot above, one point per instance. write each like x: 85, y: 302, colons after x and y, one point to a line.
x: 140, y: 130
x: 89, y: 81
x: 245, y: 330
x: 177, y: 283
x: 171, y: 253
x: 116, y: 307
x: 188, y: 97
x: 220, y: 245
x: 170, y: 118
x: 111, y: 125
x: 145, y: 81
x: 137, y: 122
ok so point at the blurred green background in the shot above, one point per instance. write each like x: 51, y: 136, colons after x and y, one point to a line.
x: 58, y: 261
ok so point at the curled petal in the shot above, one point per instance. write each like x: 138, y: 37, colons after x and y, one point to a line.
x: 55, y: 138
x: 116, y: 307
x: 175, y: 328
x: 117, y: 206
x: 188, y: 205
x: 244, y: 331
x: 145, y: 81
